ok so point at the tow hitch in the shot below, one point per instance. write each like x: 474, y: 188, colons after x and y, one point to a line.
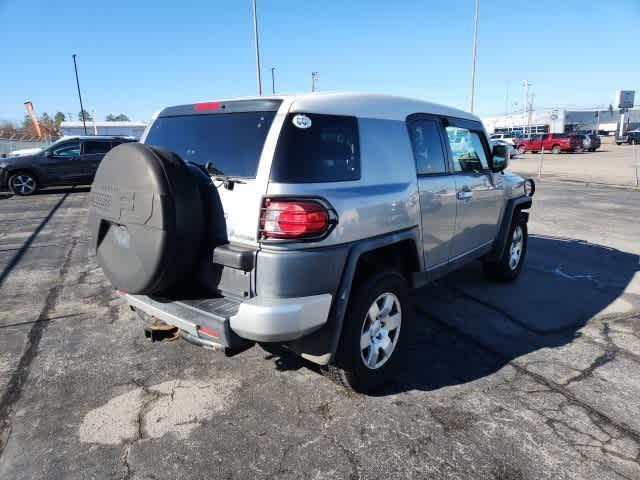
x: 159, y: 331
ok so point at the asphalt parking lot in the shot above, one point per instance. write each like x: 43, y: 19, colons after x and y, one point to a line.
x: 536, y: 379
x: 610, y: 164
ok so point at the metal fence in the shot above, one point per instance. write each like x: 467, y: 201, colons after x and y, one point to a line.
x: 8, y: 145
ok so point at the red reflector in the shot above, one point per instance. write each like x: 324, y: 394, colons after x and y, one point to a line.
x: 209, y: 331
x: 121, y: 292
x: 293, y: 218
x: 204, y: 106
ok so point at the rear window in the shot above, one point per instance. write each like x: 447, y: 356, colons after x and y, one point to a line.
x: 559, y: 135
x: 232, y: 142
x: 317, y: 148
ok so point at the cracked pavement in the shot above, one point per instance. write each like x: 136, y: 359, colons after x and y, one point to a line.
x: 535, y: 379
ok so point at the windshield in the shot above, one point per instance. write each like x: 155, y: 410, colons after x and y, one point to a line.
x: 56, y: 143
x: 231, y: 142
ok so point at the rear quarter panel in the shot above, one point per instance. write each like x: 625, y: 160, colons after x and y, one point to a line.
x: 384, y: 200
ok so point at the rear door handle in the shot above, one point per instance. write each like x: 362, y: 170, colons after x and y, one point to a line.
x: 465, y: 194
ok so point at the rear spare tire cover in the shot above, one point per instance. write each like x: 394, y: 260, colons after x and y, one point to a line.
x: 145, y: 218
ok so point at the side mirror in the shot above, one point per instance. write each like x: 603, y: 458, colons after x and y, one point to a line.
x: 500, y: 158
x: 48, y: 153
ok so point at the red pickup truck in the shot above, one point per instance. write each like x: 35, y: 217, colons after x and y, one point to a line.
x: 554, y: 142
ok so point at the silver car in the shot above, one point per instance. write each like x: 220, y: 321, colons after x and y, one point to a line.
x: 304, y: 221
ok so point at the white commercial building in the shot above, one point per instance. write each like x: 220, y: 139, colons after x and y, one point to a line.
x: 125, y: 129
x: 562, y: 121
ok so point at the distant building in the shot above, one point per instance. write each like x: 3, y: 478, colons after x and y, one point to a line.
x: 562, y: 121
x: 127, y: 129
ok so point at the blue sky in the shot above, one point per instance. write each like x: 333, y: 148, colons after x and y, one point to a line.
x: 135, y: 57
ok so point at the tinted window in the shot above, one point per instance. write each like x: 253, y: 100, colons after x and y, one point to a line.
x: 91, y: 147
x: 71, y: 149
x: 232, y: 142
x: 327, y: 150
x: 467, y: 149
x: 559, y: 135
x: 427, y: 147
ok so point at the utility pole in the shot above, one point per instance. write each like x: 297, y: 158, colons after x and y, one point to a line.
x: 526, y: 86
x: 84, y: 122
x: 257, y: 45
x: 473, y: 61
x: 314, y: 77
x: 506, y: 99
x: 273, y: 80
x: 530, y: 115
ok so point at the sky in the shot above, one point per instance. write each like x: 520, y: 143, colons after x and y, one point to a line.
x: 136, y: 57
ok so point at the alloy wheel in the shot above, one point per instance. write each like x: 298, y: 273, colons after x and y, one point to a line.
x: 23, y: 184
x: 515, y: 253
x: 380, y: 331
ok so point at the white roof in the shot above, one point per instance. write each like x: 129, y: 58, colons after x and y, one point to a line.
x: 363, y: 105
x: 90, y: 123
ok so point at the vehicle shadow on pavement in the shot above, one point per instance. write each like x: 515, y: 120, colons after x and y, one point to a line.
x: 4, y: 273
x: 466, y: 328
x: 59, y: 190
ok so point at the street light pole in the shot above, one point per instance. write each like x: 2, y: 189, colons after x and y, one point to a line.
x: 84, y: 122
x: 257, y: 45
x: 273, y: 80
x: 473, y: 62
x: 314, y: 77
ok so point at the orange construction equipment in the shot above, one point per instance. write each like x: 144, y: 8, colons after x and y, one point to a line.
x: 29, y: 106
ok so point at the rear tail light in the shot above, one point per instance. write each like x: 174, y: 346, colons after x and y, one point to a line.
x: 294, y: 219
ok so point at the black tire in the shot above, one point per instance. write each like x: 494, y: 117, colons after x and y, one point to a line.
x: 618, y: 143
x: 504, y: 270
x: 556, y: 149
x: 23, y: 183
x: 350, y: 368
x: 146, y: 219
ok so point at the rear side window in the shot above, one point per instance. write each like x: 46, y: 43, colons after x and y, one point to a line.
x: 92, y: 147
x: 427, y: 147
x: 559, y: 135
x: 317, y: 148
x: 232, y: 142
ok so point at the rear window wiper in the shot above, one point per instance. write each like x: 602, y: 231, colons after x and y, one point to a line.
x: 211, y: 170
x: 218, y: 174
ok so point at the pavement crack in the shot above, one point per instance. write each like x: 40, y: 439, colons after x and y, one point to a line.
x: 610, y: 352
x: 148, y: 398
x: 16, y: 384
x: 352, y: 458
x: 560, y: 389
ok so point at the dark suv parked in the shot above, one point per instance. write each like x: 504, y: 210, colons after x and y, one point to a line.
x: 632, y: 138
x: 69, y: 161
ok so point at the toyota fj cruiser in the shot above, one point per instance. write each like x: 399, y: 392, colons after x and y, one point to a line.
x: 303, y: 221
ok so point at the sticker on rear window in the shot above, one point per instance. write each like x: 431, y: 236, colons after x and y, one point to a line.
x: 301, y: 121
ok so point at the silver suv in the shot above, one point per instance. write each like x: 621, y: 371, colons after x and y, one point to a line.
x: 303, y: 221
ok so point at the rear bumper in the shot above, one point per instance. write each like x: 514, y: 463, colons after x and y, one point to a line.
x: 281, y: 319
x: 224, y: 322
